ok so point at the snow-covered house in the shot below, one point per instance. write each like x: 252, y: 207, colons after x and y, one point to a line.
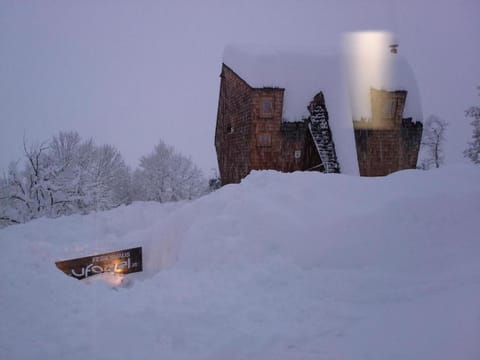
x: 290, y: 111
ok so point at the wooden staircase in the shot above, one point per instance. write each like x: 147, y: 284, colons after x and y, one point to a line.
x: 322, y: 135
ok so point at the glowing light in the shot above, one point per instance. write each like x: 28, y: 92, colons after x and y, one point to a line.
x: 115, y: 280
x: 112, y: 279
x: 368, y: 63
x: 122, y: 266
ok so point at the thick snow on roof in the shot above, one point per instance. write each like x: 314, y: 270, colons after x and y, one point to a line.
x: 345, y: 80
x: 370, y: 63
x: 301, y: 75
x: 404, y: 79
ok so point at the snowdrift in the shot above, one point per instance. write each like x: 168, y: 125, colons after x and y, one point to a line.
x: 281, y: 266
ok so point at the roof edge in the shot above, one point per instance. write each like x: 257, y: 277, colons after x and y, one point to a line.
x: 250, y: 86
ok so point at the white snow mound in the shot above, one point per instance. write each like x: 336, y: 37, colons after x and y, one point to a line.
x: 281, y: 266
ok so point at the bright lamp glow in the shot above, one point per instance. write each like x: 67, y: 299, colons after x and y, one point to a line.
x: 368, y: 64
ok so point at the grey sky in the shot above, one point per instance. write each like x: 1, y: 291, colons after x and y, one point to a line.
x: 131, y: 72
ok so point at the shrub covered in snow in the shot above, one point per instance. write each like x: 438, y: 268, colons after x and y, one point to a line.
x: 166, y: 175
x: 63, y: 177
x: 69, y: 175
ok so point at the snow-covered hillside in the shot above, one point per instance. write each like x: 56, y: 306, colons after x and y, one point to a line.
x: 282, y: 266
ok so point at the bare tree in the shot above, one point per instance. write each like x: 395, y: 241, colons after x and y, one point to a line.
x: 473, y: 149
x: 433, y: 139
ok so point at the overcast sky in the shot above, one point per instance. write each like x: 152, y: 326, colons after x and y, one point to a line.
x: 130, y: 73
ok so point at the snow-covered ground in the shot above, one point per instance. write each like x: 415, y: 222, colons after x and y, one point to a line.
x: 282, y: 266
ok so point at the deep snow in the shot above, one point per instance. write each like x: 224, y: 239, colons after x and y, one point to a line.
x: 282, y: 266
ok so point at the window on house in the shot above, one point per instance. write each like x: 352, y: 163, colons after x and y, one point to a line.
x: 298, y: 154
x: 266, y: 107
x: 388, y: 109
x: 229, y: 129
x: 264, y: 140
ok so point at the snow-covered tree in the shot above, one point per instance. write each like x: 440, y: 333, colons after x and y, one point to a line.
x: 473, y: 149
x: 433, y: 139
x: 111, y: 178
x: 166, y: 175
x: 8, y: 213
x: 28, y: 194
x: 85, y: 177
x: 66, y: 176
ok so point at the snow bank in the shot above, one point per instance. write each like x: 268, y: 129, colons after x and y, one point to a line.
x: 281, y: 266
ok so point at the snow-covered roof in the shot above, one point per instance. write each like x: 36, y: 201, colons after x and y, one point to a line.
x: 343, y: 79
x: 369, y: 63
x: 301, y: 75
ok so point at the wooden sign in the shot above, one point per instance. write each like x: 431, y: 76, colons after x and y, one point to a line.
x: 119, y: 262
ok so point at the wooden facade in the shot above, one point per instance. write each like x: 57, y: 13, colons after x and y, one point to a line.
x: 387, y: 142
x: 250, y: 133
